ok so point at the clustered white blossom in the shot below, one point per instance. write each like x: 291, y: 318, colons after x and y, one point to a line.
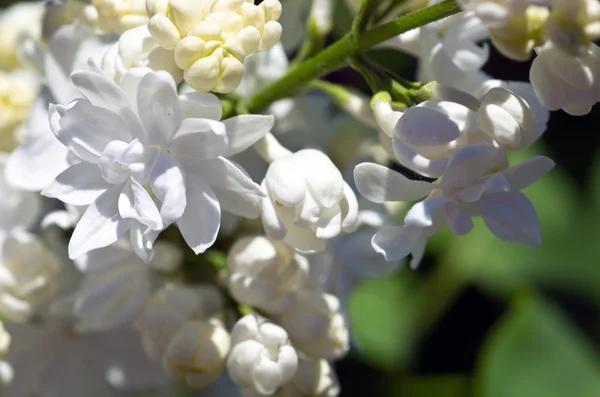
x: 207, y: 239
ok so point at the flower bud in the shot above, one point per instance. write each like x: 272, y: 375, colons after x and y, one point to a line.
x: 426, y: 135
x: 197, y: 353
x: 314, y: 378
x: 169, y: 308
x: 20, y: 20
x: 265, y: 274
x: 18, y: 92
x: 114, y: 289
x: 573, y: 25
x: 117, y: 16
x: 262, y: 359
x: 28, y: 276
x: 212, y: 39
x: 308, y: 201
x: 505, y: 117
x: 562, y: 81
x: 317, y: 325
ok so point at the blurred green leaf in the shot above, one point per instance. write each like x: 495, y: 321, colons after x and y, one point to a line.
x: 218, y: 259
x: 535, y: 351
x: 381, y: 320
x: 433, y: 386
x: 567, y: 258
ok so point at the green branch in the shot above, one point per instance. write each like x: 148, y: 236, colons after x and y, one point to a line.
x: 335, y: 56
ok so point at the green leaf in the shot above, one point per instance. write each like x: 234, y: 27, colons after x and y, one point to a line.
x: 534, y: 351
x: 381, y: 320
x: 218, y: 259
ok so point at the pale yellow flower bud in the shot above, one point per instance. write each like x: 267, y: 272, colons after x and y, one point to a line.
x: 117, y: 16
x: 18, y: 21
x: 212, y: 38
x: 18, y: 92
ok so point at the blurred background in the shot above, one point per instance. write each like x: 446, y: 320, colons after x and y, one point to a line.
x: 481, y: 317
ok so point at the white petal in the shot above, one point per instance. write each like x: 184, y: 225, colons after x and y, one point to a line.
x: 245, y: 205
x: 101, y: 91
x: 200, y: 106
x: 79, y: 184
x: 350, y: 210
x: 323, y: 179
x: 100, y: 225
x: 422, y: 213
x: 69, y: 49
x: 169, y: 185
x: 395, y: 243
x: 330, y: 223
x: 142, y: 241
x: 459, y: 220
x: 136, y: 203
x: 223, y: 174
x: 34, y: 164
x: 158, y: 107
x: 245, y: 130
x: 308, y: 213
x: 130, y: 83
x: 200, y: 222
x: 527, y: 172
x: 424, y: 166
x: 380, y: 184
x: 511, y: 217
x: 267, y: 377
x: 200, y: 139
x: 471, y: 163
x: 87, y: 129
x: 285, y: 181
x: 274, y: 227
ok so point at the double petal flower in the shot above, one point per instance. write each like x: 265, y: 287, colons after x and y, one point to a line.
x: 146, y: 158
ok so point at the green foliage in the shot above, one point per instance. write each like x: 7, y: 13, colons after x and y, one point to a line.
x: 535, y: 352
x: 381, y: 321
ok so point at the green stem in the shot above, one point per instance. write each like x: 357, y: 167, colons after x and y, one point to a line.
x: 364, y: 15
x: 336, y: 55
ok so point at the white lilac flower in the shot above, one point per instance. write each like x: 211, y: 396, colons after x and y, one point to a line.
x: 562, y: 81
x: 265, y: 274
x: 426, y: 136
x: 211, y: 39
x: 137, y: 48
x: 308, y: 201
x: 573, y: 25
x: 41, y: 157
x: 450, y: 54
x: 477, y: 182
x: 114, y: 288
x: 317, y: 326
x: 197, y: 352
x: 146, y: 136
x: 19, y: 209
x: 314, y: 378
x: 17, y: 22
x: 28, y: 276
x: 106, y: 364
x: 169, y: 308
x: 261, y: 358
